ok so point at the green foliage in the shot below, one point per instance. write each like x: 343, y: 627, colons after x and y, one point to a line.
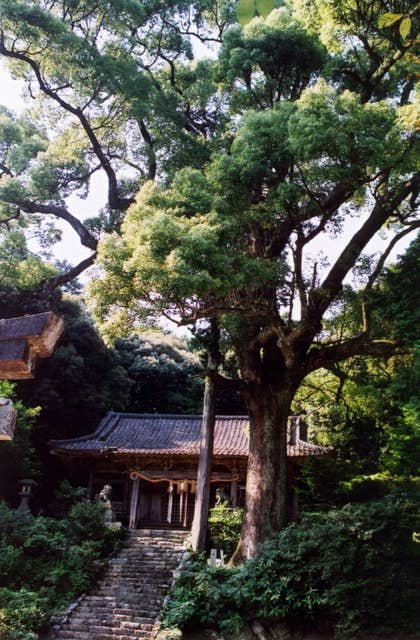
x: 164, y: 374
x: 395, y: 302
x: 375, y: 486
x: 248, y: 9
x: 17, y: 457
x: 367, y: 410
x: 80, y: 382
x: 68, y: 496
x: 353, y: 566
x: 224, y: 525
x: 21, y: 611
x: 45, y: 563
x: 389, y: 19
x: 19, y: 268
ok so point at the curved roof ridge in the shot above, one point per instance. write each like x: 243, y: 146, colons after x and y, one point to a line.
x: 99, y: 429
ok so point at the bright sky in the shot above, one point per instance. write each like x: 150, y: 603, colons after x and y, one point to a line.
x: 71, y: 249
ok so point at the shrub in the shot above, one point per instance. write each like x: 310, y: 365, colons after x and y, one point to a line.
x: 19, y: 612
x: 375, y: 486
x: 55, y: 560
x: 353, y: 566
x: 225, y: 528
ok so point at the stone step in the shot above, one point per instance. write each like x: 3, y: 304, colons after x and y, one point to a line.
x: 128, y: 599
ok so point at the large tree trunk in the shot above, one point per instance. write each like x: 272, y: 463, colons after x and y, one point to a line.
x: 265, y: 512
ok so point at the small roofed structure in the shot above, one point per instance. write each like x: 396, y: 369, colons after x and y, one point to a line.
x: 151, y: 462
x: 23, y: 340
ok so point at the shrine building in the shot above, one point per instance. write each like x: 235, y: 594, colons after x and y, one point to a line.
x: 151, y: 462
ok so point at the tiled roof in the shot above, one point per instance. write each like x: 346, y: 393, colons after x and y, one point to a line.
x: 157, y: 434
x: 24, y: 339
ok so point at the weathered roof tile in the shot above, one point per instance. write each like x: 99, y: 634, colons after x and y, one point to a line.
x: 158, y: 434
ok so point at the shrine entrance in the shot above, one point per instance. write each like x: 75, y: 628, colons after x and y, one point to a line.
x: 161, y: 504
x: 152, y: 505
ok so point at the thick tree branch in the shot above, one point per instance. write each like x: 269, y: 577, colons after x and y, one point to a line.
x: 297, y: 257
x: 376, y: 75
x: 374, y: 275
x: 152, y: 156
x: 321, y: 298
x: 325, y: 356
x: 68, y: 276
x: 378, y: 269
x: 222, y: 382
x: 86, y: 238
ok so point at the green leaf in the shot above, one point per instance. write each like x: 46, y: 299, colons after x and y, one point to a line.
x: 389, y: 19
x: 405, y: 27
x: 264, y: 7
x: 245, y: 11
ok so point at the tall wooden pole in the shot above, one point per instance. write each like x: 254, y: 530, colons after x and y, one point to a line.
x: 202, y: 498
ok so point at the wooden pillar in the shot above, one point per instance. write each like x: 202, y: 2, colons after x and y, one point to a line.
x: 89, y: 490
x: 234, y: 493
x: 133, y: 504
x: 202, y: 498
x: 184, y: 519
x: 181, y: 506
x: 170, y: 502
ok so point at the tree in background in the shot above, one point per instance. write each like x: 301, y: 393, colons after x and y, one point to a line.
x: 164, y: 374
x: 304, y: 122
x: 367, y: 409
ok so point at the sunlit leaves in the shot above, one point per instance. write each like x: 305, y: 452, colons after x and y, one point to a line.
x: 390, y: 19
x: 269, y: 60
x: 246, y: 10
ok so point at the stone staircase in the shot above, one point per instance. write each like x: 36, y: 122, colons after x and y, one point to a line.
x: 130, y: 595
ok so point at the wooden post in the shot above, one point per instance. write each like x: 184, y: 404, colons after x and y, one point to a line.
x: 170, y: 502
x: 89, y: 490
x: 181, y: 506
x: 184, y: 520
x: 133, y: 504
x: 234, y: 493
x: 202, y: 498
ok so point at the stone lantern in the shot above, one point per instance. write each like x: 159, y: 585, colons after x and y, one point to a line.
x: 25, y: 493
